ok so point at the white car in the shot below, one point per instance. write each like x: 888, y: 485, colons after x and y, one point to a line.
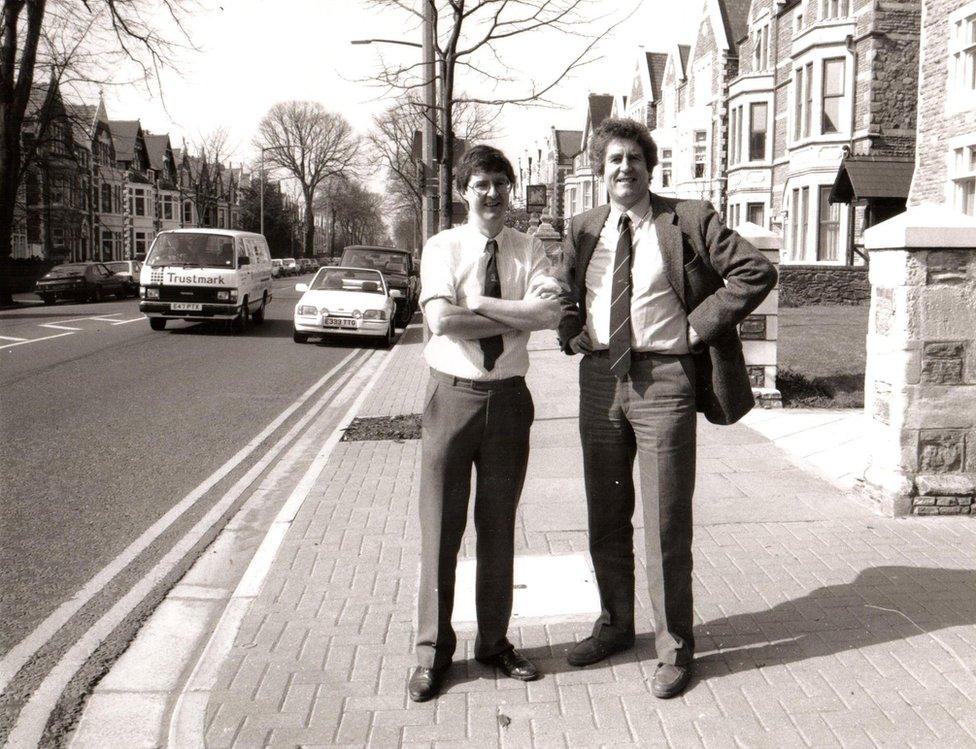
x: 345, y: 301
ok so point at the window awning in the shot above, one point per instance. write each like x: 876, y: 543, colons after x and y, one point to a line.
x: 872, y: 178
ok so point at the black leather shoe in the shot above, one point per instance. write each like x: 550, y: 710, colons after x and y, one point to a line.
x: 425, y: 683
x: 512, y: 663
x: 670, y: 681
x: 591, y: 650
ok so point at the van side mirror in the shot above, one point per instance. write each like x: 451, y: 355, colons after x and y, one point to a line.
x: 243, y: 260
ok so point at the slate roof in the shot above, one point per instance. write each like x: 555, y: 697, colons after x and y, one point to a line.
x: 735, y: 16
x: 124, y: 134
x: 600, y: 106
x: 684, y: 50
x: 656, y: 61
x: 82, y: 121
x: 867, y: 177
x: 568, y: 143
x: 156, y: 148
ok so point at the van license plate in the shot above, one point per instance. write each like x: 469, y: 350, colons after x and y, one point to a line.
x: 185, y: 307
x: 338, y: 322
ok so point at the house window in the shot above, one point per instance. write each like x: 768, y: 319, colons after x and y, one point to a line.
x: 964, y: 179
x: 798, y: 222
x: 735, y: 145
x: 798, y: 105
x: 760, y: 50
x: 140, y: 243
x: 833, y: 9
x: 833, y: 95
x: 962, y: 59
x: 756, y: 213
x: 108, y: 245
x: 700, y: 146
x: 188, y: 212
x: 106, y: 198
x: 167, y: 205
x: 665, y: 167
x: 807, y: 98
x: 828, y: 232
x: 757, y: 131
x: 138, y: 202
x: 734, y: 215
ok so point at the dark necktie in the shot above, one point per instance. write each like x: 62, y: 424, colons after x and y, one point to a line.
x: 620, y: 303
x: 492, y: 347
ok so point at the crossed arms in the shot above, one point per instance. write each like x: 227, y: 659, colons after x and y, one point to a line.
x: 483, y: 317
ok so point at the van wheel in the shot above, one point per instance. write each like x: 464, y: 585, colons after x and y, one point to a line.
x: 299, y: 337
x: 243, y: 320
x: 258, y: 316
x: 157, y: 323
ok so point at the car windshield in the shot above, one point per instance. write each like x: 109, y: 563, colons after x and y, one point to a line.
x: 347, y: 279
x: 388, y: 262
x: 118, y: 267
x: 196, y: 249
x: 66, y: 271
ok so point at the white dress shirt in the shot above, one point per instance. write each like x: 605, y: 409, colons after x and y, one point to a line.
x: 658, y: 321
x: 453, y: 267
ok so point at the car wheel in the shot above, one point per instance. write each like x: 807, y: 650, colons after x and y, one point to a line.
x: 122, y: 293
x: 300, y: 337
x: 96, y: 295
x: 157, y: 323
x: 46, y: 298
x: 243, y: 320
x: 390, y: 335
x: 258, y: 316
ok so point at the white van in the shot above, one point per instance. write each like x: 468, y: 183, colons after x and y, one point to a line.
x: 206, y: 274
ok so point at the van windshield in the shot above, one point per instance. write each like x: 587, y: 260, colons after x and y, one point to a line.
x: 196, y: 249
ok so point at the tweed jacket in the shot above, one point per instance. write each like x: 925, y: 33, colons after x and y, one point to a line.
x: 718, y: 276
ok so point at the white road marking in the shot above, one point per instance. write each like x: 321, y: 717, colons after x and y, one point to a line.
x: 125, y: 322
x: 33, y: 717
x: 58, y: 327
x: 22, y: 652
x: 11, y: 338
x: 35, y: 340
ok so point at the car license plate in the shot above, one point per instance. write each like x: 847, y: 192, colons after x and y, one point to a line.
x: 338, y: 322
x: 185, y: 307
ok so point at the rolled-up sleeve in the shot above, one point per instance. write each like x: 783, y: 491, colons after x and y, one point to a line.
x: 539, y: 266
x: 436, y: 278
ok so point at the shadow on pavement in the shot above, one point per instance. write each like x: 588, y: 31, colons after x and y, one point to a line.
x: 881, y: 605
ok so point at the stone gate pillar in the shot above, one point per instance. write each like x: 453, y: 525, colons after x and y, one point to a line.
x: 760, y: 331
x: 920, y: 380
x: 551, y: 240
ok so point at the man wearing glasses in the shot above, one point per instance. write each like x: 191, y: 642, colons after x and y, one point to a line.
x: 484, y: 288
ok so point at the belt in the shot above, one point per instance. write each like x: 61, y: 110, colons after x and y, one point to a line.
x: 603, y: 353
x: 508, y: 382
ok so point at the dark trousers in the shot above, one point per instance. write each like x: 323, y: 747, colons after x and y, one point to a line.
x: 650, y: 415
x: 485, y: 425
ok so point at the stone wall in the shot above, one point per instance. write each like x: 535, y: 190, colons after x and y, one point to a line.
x: 807, y: 285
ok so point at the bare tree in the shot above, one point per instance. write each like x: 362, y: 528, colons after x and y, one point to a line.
x: 392, y: 139
x: 67, y: 40
x: 310, y: 144
x: 473, y: 43
x: 209, y: 175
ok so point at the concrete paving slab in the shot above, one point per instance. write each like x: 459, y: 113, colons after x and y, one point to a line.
x: 121, y: 721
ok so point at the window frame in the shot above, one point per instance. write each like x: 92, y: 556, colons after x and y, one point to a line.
x: 699, y: 147
x: 838, y: 97
x: 748, y: 210
x: 823, y: 224
x: 962, y: 178
x: 764, y: 132
x: 961, y: 60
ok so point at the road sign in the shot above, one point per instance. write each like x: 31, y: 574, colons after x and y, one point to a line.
x: 535, y: 198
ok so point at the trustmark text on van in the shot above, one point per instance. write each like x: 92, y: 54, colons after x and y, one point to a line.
x: 206, y: 274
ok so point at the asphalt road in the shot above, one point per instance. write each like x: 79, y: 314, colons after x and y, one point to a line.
x: 106, y: 428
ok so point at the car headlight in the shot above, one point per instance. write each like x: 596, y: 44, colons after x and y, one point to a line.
x: 306, y: 309
x: 396, y: 293
x: 374, y: 314
x: 357, y: 314
x: 152, y: 293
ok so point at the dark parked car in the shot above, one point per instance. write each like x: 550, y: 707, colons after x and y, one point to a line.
x: 80, y: 282
x: 397, y: 266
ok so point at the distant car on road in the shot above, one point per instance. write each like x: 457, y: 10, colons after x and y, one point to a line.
x: 345, y: 301
x: 129, y: 271
x: 397, y: 266
x: 290, y: 266
x: 277, y: 268
x: 80, y: 282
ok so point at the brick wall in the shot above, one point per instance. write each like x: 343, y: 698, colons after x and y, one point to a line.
x: 935, y: 124
x: 807, y: 285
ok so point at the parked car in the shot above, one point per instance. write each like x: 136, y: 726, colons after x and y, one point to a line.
x: 128, y: 270
x: 206, y: 274
x: 80, y: 282
x: 304, y: 265
x: 397, y: 266
x: 290, y: 266
x: 277, y: 268
x: 345, y: 301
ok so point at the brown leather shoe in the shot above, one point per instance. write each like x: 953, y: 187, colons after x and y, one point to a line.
x: 670, y: 681
x: 425, y: 683
x: 512, y: 663
x: 591, y: 650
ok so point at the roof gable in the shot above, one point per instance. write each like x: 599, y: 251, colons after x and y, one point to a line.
x: 568, y: 143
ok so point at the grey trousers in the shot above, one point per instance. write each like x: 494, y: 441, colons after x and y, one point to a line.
x: 650, y: 415
x: 485, y: 425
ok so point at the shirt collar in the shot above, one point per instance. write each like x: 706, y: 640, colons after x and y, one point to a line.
x: 475, y: 239
x: 636, y: 212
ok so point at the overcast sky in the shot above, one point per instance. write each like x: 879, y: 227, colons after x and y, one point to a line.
x: 253, y: 53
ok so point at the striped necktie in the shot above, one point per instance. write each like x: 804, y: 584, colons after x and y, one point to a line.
x: 492, y: 347
x: 620, y: 303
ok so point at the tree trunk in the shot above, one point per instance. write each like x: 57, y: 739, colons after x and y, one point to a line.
x: 309, y: 224
x: 446, y: 172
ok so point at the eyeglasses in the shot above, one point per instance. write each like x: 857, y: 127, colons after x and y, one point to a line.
x: 483, y: 186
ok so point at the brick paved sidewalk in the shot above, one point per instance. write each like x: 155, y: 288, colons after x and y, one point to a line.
x: 818, y: 622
